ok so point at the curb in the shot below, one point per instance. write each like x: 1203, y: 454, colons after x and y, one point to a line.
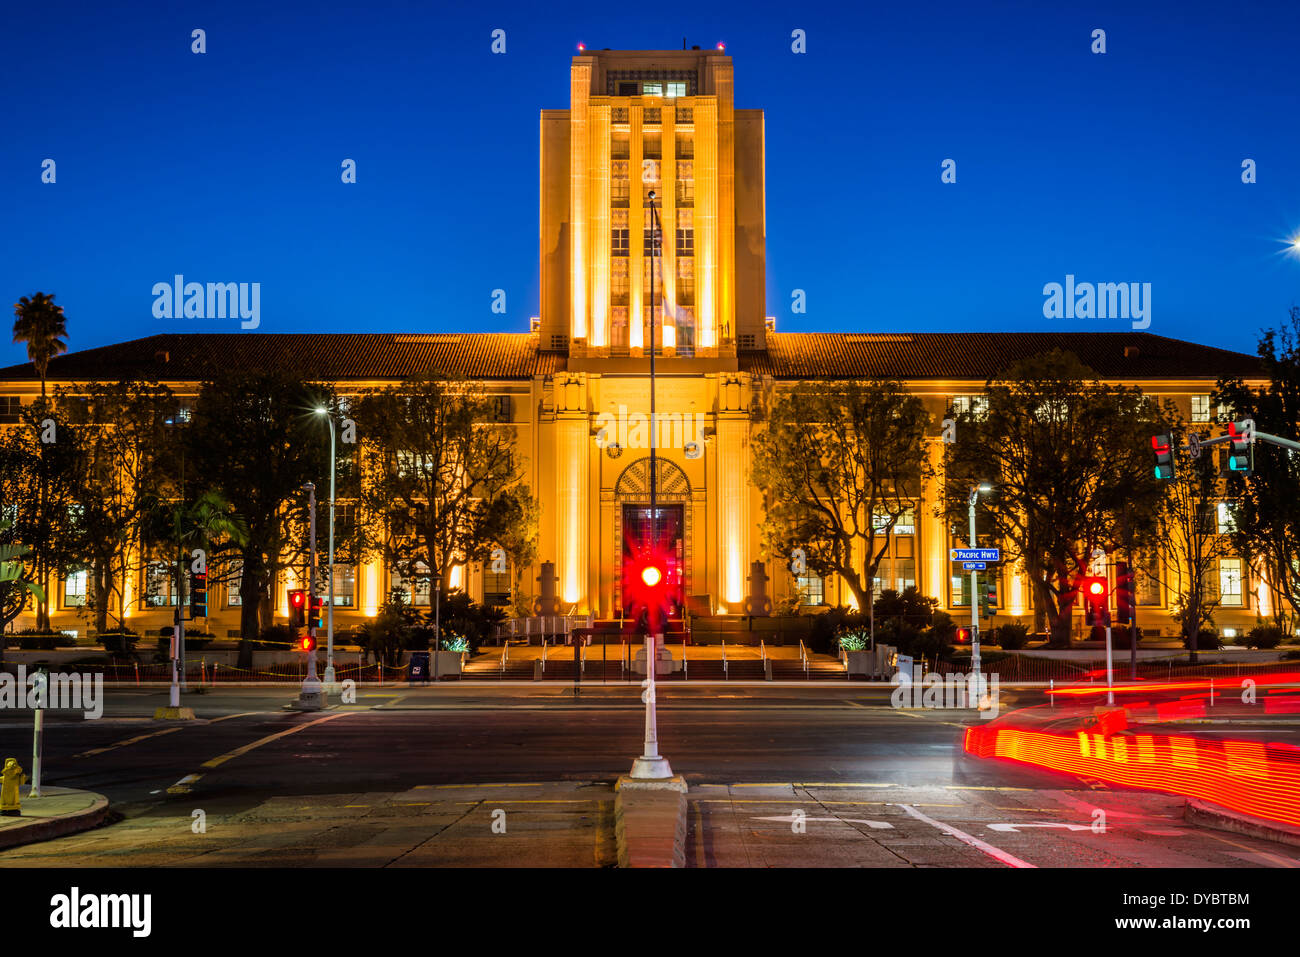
x: 1221, y: 818
x: 650, y: 822
x: 46, y: 829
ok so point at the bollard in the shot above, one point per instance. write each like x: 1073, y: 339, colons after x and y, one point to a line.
x: 137, y: 674
x: 1051, y: 691
x: 10, y: 779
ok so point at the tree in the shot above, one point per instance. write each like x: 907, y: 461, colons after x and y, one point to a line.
x: 38, y: 486
x: 16, y: 583
x: 1068, y: 459
x: 442, y: 485
x: 40, y: 323
x: 839, y: 464
x: 1188, y: 524
x: 1267, y: 509
x: 124, y: 463
x: 254, y: 438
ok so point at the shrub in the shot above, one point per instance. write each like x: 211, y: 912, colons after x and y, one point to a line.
x: 30, y: 639
x: 909, y: 606
x: 461, y: 616
x: 1012, y: 636
x: 1207, y: 639
x: 275, y: 638
x: 853, y: 641
x: 936, y: 641
x: 119, y: 641
x: 829, y: 625
x: 1262, y: 636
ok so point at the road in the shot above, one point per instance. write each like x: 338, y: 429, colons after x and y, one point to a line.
x: 515, y: 775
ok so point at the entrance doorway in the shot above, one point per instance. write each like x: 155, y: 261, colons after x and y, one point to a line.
x: 664, y: 534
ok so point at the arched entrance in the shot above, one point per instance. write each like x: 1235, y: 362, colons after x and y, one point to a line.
x: 633, y: 523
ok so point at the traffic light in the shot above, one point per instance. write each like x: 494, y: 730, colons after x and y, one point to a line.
x: 1124, y: 603
x: 989, y: 595
x: 297, y: 607
x: 1096, y: 605
x: 646, y: 587
x: 313, y: 612
x: 1242, y: 457
x: 963, y: 636
x: 307, y: 642
x: 198, y: 594
x: 1163, y: 447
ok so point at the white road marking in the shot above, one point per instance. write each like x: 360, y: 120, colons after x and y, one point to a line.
x: 994, y: 852
x: 791, y: 818
x: 1012, y: 828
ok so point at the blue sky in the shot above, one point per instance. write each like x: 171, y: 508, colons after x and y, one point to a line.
x: 1121, y: 167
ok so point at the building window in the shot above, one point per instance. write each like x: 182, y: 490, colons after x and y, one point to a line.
x: 496, y: 587
x: 976, y: 405
x: 618, y: 244
x: 158, y: 585
x: 75, y: 587
x: 1227, y: 518
x: 618, y: 278
x: 1146, y: 579
x: 1230, y: 590
x: 811, y: 588
x: 415, y: 590
x: 674, y: 89
x: 11, y: 407
x: 686, y: 242
x: 345, y: 586
x: 905, y: 524
x: 652, y: 89
x: 1200, y: 408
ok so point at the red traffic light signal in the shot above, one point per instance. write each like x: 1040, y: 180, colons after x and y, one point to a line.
x: 297, y: 607
x: 963, y: 635
x: 1162, y: 445
x: 1096, y: 603
x: 307, y: 643
x: 646, y: 588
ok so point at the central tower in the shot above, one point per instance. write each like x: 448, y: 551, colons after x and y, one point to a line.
x: 638, y: 121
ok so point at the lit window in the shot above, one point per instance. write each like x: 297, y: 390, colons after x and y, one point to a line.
x: 1230, y: 581
x: 496, y: 587
x: 345, y: 586
x: 74, y: 589
x: 158, y: 585
x: 811, y: 588
x: 652, y: 89
x: 676, y: 89
x: 1227, y: 515
x: 977, y: 405
x: 1200, y: 408
x: 415, y: 590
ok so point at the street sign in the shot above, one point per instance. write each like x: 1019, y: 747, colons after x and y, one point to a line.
x: 976, y: 554
x: 974, y: 566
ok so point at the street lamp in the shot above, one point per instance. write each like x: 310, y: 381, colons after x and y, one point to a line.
x: 974, y: 583
x: 329, y: 626
x: 651, y: 765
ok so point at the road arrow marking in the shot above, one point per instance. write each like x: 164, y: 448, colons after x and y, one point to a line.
x: 1014, y: 828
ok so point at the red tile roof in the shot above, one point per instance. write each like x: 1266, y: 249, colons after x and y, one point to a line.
x: 326, y: 356
x: 981, y: 355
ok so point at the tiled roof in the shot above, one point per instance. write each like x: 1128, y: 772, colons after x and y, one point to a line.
x: 982, y: 355
x: 342, y: 357
x: 327, y: 356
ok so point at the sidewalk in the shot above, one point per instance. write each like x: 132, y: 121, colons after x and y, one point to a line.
x: 58, y: 811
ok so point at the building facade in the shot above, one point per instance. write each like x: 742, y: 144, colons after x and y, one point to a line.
x: 576, y: 387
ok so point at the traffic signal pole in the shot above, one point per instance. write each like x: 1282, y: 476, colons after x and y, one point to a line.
x: 651, y: 765
x: 311, y: 697
x: 974, y: 600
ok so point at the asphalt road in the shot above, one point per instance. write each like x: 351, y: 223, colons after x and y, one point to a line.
x: 516, y: 775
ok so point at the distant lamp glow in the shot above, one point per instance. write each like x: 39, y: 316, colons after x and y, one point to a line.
x: 582, y: 46
x: 721, y: 45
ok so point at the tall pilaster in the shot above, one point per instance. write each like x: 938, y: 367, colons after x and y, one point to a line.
x: 579, y: 146
x: 732, y: 493
x: 598, y: 198
x: 572, y: 480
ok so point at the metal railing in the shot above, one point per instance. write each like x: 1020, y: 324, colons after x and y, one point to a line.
x: 686, y: 662
x: 541, y: 626
x: 803, y: 657
x: 725, y: 676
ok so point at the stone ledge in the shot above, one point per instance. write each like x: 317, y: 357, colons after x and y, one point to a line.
x: 33, y: 829
x: 1206, y: 814
x: 650, y: 822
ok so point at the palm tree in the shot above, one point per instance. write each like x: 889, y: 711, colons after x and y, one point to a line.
x: 40, y: 323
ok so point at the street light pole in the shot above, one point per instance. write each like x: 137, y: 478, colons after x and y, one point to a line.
x: 651, y: 765
x: 974, y: 583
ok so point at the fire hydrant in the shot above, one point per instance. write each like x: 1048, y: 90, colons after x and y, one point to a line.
x: 10, y: 778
